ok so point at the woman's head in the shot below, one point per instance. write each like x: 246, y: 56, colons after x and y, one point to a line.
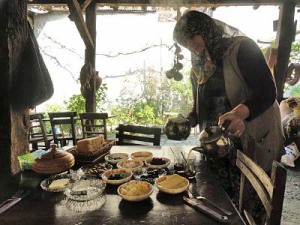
x: 193, y: 24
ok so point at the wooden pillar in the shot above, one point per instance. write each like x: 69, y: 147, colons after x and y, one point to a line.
x: 14, y: 122
x: 285, y: 39
x: 90, y: 55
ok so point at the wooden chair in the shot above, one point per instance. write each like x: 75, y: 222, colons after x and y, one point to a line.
x: 270, y: 190
x: 93, y: 124
x: 61, y: 121
x: 138, y: 135
x: 38, y: 133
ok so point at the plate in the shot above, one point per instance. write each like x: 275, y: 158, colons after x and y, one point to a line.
x: 176, y: 189
x: 114, y: 158
x: 96, y: 170
x: 132, y: 165
x: 142, y: 155
x: 165, y: 165
x: 126, y: 173
x: 85, y: 189
x: 46, y: 183
x: 142, y: 190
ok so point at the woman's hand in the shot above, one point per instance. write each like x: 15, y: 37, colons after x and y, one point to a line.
x: 192, y: 118
x: 236, y: 118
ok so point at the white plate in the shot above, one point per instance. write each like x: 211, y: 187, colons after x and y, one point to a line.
x: 165, y: 165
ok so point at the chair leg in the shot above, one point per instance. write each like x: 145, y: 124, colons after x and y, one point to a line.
x: 34, y: 146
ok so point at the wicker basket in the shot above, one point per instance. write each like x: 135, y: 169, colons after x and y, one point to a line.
x: 94, y: 156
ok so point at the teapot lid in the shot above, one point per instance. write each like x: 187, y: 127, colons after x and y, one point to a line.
x: 178, y: 119
x: 210, y: 134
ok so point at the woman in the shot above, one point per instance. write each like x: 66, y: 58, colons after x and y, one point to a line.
x: 231, y: 81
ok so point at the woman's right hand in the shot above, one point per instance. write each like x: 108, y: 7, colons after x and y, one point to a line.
x: 192, y: 120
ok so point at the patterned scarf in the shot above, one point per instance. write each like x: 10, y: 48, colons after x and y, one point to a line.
x: 194, y: 23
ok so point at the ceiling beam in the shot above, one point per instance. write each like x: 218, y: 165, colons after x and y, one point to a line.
x: 77, y: 16
x: 168, y: 2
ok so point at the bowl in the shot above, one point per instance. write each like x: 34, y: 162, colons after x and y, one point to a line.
x: 158, y: 162
x: 132, y: 165
x: 85, y: 189
x: 142, y: 155
x: 172, y: 184
x: 62, y: 178
x: 135, y: 191
x: 114, y: 158
x: 113, y: 176
x: 96, y: 170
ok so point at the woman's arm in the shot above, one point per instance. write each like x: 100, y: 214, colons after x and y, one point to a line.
x: 258, y: 77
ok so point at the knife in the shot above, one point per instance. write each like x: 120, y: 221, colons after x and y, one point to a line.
x: 206, y: 210
x: 13, y: 202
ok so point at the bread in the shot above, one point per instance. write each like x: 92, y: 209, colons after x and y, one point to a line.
x: 173, y: 182
x: 90, y: 145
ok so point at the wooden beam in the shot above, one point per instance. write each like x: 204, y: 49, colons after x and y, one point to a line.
x: 85, y: 4
x: 188, y: 3
x: 286, y: 37
x: 80, y: 23
x: 90, y: 56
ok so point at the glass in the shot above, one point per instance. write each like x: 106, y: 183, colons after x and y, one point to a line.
x: 190, y: 167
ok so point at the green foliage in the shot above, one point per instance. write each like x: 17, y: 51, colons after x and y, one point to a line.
x: 159, y: 95
x: 77, y: 102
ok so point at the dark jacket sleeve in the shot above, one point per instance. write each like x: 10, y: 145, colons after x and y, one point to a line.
x: 258, y: 77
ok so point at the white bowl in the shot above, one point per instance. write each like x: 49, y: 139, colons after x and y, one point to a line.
x: 165, y: 165
x: 175, y: 190
x: 142, y: 155
x: 114, y: 158
x: 132, y: 165
x: 106, y: 175
x: 139, y: 196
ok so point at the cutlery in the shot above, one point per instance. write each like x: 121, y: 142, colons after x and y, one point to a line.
x: 206, y: 210
x: 15, y: 195
x: 13, y: 200
x: 196, y: 195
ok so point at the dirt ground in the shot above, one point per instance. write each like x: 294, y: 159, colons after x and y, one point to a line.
x: 291, y: 204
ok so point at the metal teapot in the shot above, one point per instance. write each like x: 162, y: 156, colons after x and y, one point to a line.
x: 215, y: 141
x: 177, y: 128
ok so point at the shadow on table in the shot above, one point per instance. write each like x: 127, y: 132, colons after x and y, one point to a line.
x: 135, y: 209
x: 168, y: 199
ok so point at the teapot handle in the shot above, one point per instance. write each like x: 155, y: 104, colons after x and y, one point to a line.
x: 225, y: 125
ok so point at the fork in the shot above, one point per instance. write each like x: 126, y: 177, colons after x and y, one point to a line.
x: 14, y: 196
x: 196, y: 195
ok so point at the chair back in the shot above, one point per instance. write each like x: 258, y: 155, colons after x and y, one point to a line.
x: 270, y: 190
x: 138, y: 135
x: 57, y: 119
x: 37, y: 131
x: 93, y: 124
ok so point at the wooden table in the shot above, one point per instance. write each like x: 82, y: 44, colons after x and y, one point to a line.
x: 45, y: 208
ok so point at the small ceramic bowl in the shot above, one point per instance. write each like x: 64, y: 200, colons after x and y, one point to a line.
x: 135, y: 191
x: 142, y: 155
x: 150, y: 163
x: 132, y: 165
x: 114, y: 158
x: 174, y: 190
x: 116, y: 176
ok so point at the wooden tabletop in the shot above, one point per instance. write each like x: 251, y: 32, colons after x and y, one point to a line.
x: 46, y: 208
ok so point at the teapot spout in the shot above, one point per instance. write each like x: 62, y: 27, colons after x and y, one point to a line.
x: 198, y: 149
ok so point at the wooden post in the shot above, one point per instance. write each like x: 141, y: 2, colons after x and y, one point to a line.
x: 90, y: 55
x: 286, y: 37
x: 14, y: 122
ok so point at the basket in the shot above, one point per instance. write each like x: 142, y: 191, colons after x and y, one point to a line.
x: 94, y: 156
